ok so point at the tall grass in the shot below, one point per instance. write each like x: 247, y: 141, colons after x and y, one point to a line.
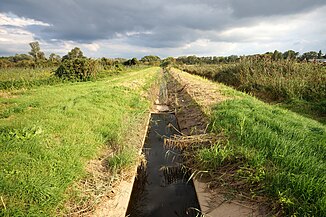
x: 16, y: 78
x: 47, y: 135
x: 15, y: 74
x: 272, y: 80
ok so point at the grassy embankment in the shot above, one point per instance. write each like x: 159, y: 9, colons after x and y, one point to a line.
x: 271, y: 150
x: 300, y: 87
x: 48, y: 133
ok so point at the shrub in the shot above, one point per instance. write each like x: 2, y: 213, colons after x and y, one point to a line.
x: 77, y: 69
x: 131, y: 62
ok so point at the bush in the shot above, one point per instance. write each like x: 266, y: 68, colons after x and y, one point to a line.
x: 77, y: 69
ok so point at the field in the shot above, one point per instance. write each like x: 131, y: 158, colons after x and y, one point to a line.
x: 300, y: 87
x: 266, y: 150
x: 49, y: 133
x: 56, y: 134
x: 26, y: 78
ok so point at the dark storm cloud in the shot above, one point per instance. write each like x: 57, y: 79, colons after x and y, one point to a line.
x: 170, y: 23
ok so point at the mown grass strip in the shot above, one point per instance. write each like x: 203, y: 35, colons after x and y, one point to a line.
x: 47, y: 135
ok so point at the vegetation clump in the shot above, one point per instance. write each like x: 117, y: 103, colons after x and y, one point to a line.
x: 81, y: 69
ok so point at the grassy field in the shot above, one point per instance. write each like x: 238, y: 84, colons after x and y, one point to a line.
x: 269, y: 150
x: 48, y: 133
x: 18, y: 78
x: 300, y: 87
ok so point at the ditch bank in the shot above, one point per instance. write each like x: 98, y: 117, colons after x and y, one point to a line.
x: 191, y: 100
x: 163, y: 186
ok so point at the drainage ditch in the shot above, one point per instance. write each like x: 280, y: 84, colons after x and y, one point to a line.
x: 162, y: 187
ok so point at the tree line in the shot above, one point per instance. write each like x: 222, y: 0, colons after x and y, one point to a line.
x: 273, y: 56
x: 37, y: 58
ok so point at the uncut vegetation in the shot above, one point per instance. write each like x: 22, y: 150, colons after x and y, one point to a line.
x: 17, y: 78
x: 81, y: 69
x: 268, y: 151
x: 279, y: 81
x: 48, y: 133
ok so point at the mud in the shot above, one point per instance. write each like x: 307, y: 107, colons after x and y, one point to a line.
x: 190, y: 117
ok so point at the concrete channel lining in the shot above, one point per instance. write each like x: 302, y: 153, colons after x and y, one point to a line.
x: 118, y: 205
x: 217, y: 207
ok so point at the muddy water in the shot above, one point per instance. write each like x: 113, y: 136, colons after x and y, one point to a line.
x: 162, y: 187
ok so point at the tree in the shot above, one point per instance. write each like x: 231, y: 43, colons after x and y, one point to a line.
x: 309, y: 55
x: 167, y: 62
x: 131, y: 62
x: 75, y: 53
x: 290, y: 55
x: 36, y: 52
x: 320, y: 54
x: 54, y: 58
x: 21, y: 57
x: 232, y: 58
x: 151, y: 60
x: 193, y: 60
x: 277, y: 55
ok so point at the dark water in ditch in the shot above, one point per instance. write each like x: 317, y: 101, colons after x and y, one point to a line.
x: 162, y: 187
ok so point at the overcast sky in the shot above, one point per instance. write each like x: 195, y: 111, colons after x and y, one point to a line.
x: 134, y: 28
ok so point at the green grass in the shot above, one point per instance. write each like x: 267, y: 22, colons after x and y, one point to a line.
x: 284, y: 151
x: 314, y: 110
x: 47, y: 134
x: 17, y: 78
x: 28, y: 78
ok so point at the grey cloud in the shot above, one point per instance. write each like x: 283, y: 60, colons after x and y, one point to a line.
x: 172, y: 23
x: 254, y: 8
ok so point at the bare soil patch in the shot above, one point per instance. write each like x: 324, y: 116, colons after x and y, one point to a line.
x: 192, y: 99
